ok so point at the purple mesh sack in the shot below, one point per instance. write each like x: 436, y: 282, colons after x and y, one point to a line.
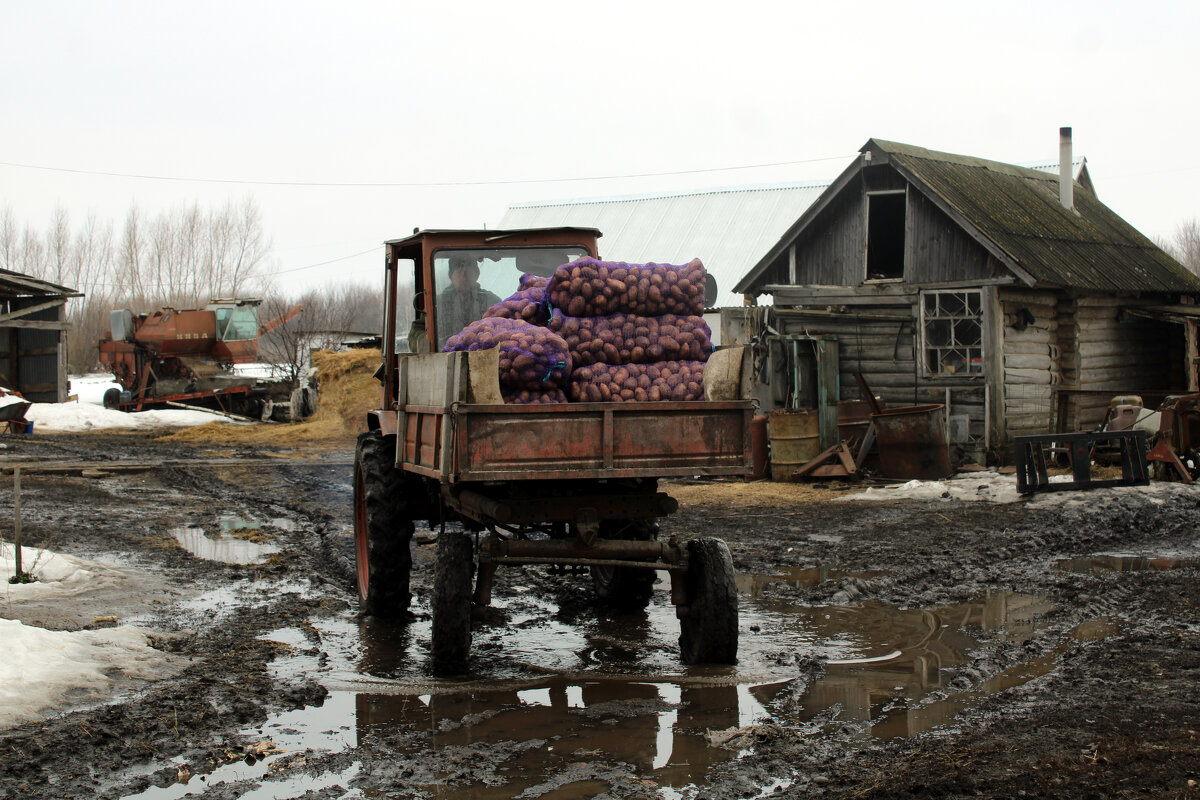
x: 531, y: 357
x: 527, y: 303
x: 533, y: 398
x: 631, y: 339
x: 591, y: 288
x: 663, y: 381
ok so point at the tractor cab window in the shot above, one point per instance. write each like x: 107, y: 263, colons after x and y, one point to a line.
x: 237, y: 324
x: 470, y: 281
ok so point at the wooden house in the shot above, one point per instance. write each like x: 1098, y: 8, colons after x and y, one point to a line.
x: 33, y: 337
x: 1012, y: 295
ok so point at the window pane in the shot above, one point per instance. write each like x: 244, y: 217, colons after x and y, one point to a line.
x: 937, y: 332
x: 951, y: 303
x: 968, y: 331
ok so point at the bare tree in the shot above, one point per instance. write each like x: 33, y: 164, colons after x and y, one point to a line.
x: 182, y: 257
x: 331, y: 315
x: 58, y: 247
x: 10, y: 240
x: 1185, y: 244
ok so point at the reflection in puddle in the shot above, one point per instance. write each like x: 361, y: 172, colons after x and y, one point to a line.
x: 222, y: 548
x: 589, y: 696
x: 1122, y: 563
x: 797, y: 577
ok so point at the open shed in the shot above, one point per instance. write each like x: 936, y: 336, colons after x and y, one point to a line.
x: 33, y: 337
x: 1010, y: 294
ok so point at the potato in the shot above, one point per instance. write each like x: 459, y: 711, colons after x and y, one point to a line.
x: 667, y: 380
x: 527, y: 397
x: 589, y: 288
x: 527, y: 303
x: 633, y: 339
x: 531, y: 357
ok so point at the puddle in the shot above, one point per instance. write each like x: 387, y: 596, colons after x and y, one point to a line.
x: 595, y: 698
x: 753, y: 584
x: 1123, y: 563
x: 224, y: 548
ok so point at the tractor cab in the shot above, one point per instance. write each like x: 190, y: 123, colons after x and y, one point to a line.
x: 237, y: 320
x: 237, y: 330
x: 459, y: 274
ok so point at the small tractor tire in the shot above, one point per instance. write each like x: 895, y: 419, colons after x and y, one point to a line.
x: 382, y: 528
x: 452, y: 571
x: 709, y: 630
x: 625, y: 589
x: 112, y: 398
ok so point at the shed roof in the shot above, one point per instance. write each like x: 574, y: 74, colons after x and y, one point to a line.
x: 1015, y: 213
x: 18, y: 284
x: 726, y: 228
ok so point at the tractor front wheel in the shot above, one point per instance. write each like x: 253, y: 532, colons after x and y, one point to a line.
x: 382, y: 528
x: 708, y: 631
x: 452, y: 570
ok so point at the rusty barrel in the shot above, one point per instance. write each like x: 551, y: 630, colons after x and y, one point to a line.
x: 795, y: 440
x: 758, y: 446
x: 912, y: 442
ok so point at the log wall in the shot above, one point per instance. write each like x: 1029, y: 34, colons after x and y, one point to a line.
x: 1031, y: 360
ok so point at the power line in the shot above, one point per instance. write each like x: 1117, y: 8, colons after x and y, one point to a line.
x: 321, y: 263
x: 278, y: 272
x: 411, y: 185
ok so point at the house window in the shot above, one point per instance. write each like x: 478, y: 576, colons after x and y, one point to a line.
x: 885, y: 235
x: 952, y: 332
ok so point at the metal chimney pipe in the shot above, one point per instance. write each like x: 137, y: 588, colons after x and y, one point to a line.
x: 1066, y: 183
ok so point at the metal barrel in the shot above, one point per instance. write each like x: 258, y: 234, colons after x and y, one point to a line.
x: 912, y: 442
x: 795, y: 438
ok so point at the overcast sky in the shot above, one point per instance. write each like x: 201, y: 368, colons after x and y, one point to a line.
x: 504, y: 95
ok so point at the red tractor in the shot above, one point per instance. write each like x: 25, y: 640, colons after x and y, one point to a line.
x: 174, y: 358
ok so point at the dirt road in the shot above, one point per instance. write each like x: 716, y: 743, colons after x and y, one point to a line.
x: 888, y: 649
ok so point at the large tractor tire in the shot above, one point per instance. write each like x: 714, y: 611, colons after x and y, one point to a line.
x: 625, y: 589
x: 382, y: 528
x: 708, y: 633
x: 452, y: 571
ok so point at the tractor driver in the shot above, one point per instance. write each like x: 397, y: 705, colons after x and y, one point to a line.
x: 464, y: 300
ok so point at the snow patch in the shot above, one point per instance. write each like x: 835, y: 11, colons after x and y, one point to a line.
x: 39, y: 668
x: 76, y: 417
x: 992, y: 487
x: 91, y: 388
x: 56, y: 574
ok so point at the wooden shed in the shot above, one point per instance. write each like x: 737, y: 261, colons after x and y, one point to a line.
x: 33, y: 337
x: 1012, y: 295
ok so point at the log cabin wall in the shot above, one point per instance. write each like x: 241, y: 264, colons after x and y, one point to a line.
x: 1031, y: 360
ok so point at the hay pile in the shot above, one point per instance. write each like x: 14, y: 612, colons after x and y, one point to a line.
x: 346, y: 391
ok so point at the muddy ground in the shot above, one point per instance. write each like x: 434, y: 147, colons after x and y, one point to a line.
x: 1046, y: 648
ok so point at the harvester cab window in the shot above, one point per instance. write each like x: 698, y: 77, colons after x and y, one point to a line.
x: 470, y: 281
x: 237, y: 324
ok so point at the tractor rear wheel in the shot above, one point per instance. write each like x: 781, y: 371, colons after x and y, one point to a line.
x: 708, y: 632
x: 382, y: 528
x: 452, y: 570
x: 625, y: 588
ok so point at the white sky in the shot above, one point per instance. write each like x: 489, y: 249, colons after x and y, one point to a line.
x: 406, y: 92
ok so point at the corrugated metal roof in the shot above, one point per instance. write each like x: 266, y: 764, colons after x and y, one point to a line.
x: 728, y: 229
x: 1017, y: 209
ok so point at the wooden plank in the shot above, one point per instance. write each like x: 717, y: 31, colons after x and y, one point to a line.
x: 37, y: 325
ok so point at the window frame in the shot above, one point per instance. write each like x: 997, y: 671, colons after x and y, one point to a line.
x: 976, y: 364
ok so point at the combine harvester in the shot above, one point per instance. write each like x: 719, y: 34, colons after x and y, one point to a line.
x: 186, y: 358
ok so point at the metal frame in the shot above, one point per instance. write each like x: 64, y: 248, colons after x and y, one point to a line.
x: 1031, y: 460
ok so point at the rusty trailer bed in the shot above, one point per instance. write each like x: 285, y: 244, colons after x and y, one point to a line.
x: 575, y: 440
